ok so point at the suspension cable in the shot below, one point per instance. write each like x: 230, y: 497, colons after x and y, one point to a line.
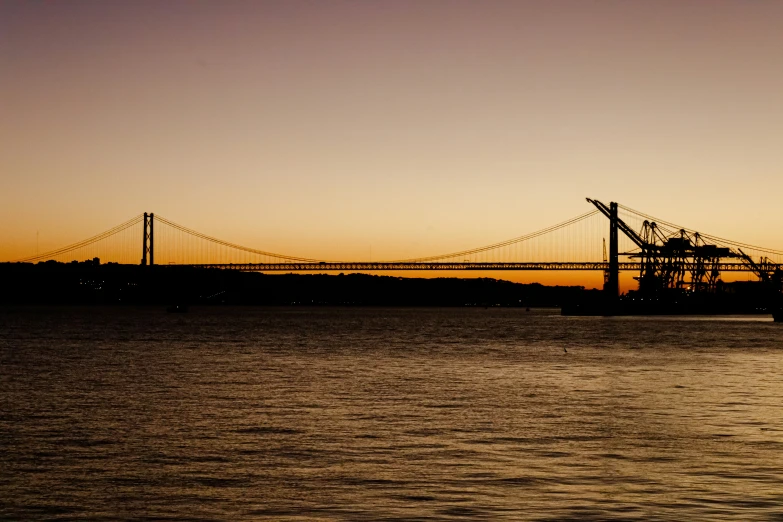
x: 707, y: 236
x: 232, y: 245
x: 502, y: 243
x: 83, y: 243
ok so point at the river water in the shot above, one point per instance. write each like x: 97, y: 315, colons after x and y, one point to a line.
x: 388, y: 414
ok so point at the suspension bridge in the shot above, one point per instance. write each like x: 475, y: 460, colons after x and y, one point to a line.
x: 664, y: 255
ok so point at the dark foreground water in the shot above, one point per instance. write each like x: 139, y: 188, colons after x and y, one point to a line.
x: 388, y: 414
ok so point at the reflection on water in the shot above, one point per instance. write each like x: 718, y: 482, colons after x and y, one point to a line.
x: 368, y: 414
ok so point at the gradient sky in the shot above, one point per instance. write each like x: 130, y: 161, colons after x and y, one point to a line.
x: 326, y: 129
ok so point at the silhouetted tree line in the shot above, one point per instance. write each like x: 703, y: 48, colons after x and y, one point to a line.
x: 90, y: 282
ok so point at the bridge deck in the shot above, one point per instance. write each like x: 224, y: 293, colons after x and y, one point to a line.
x: 380, y: 266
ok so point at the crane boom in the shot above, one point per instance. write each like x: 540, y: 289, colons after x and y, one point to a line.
x: 628, y: 231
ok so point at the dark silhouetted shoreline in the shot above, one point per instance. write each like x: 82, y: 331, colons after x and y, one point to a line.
x: 113, y: 284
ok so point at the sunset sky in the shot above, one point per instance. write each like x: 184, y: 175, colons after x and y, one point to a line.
x: 390, y: 128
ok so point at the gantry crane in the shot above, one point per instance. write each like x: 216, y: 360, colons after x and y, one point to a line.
x: 680, y: 261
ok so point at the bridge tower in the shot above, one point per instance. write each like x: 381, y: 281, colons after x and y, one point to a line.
x: 612, y: 286
x: 612, y: 277
x: 148, y: 244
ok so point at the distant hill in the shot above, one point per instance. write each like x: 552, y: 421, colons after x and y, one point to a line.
x: 112, y: 284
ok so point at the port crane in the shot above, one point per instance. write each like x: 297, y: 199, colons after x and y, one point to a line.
x: 682, y: 260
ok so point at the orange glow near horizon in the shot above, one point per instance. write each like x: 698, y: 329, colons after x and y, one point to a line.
x: 388, y: 130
